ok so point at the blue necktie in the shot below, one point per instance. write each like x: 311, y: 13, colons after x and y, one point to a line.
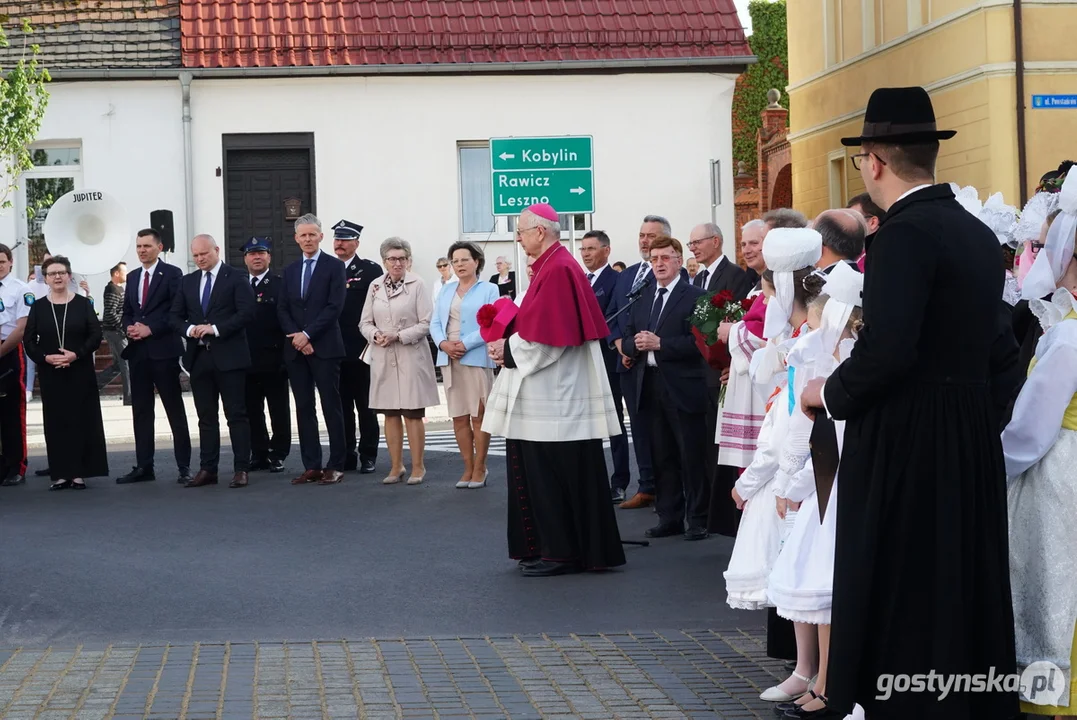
x: 205, y: 293
x: 656, y: 310
x: 307, y: 270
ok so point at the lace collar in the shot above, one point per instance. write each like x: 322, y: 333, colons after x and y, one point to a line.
x: 1053, y: 311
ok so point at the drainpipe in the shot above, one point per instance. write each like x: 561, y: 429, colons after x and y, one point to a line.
x: 188, y: 162
x: 1019, y: 69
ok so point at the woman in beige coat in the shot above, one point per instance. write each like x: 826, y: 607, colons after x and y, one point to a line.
x: 395, y: 321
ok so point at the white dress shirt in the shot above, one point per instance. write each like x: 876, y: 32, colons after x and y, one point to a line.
x: 651, y: 362
x: 259, y: 278
x: 711, y: 270
x: 592, y: 277
x: 146, y: 272
x: 213, y: 274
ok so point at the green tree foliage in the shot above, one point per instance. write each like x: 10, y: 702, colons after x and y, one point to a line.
x: 23, y: 99
x: 769, y: 44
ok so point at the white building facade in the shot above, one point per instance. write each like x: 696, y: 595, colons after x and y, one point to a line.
x: 404, y: 156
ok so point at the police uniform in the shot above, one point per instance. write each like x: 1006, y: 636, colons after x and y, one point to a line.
x: 354, y: 373
x: 267, y: 379
x: 16, y: 298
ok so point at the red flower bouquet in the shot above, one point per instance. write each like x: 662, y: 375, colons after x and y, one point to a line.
x: 710, y: 312
x: 494, y: 320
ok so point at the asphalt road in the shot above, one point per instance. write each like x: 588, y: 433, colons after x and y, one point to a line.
x: 156, y: 562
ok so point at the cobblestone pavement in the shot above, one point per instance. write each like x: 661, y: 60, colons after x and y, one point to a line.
x: 667, y: 674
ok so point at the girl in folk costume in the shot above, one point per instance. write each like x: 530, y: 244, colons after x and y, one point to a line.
x: 1040, y: 446
x: 801, y: 583
x: 791, y: 254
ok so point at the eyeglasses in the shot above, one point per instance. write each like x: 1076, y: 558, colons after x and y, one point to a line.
x: 695, y: 243
x: 442, y: 266
x: 855, y: 159
x: 56, y: 273
x: 396, y: 260
x: 520, y: 231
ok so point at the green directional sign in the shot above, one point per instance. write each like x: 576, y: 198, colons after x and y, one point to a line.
x: 554, y: 170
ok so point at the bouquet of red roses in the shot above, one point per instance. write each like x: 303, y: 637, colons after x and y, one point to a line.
x: 710, y: 312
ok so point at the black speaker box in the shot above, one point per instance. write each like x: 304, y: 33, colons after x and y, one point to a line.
x: 161, y: 221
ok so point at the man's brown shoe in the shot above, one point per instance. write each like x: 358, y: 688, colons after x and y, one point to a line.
x: 331, y: 477
x: 637, y: 501
x: 203, y: 477
x: 240, y: 480
x: 308, y: 476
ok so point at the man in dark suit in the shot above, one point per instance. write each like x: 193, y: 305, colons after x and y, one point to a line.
x: 630, y: 284
x: 153, y: 357
x: 716, y: 274
x: 843, y: 234
x: 354, y: 373
x: 595, y: 251
x: 669, y: 375
x: 267, y: 380
x: 212, y: 310
x: 309, y: 312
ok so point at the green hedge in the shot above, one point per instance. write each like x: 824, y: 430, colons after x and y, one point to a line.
x: 769, y: 43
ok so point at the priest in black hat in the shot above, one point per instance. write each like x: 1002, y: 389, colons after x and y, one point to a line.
x: 354, y: 373
x: 921, y: 575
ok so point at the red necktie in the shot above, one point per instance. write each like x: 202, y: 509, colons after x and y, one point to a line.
x: 145, y: 287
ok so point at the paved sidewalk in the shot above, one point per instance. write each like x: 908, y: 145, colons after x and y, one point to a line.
x: 668, y: 674
x: 119, y: 427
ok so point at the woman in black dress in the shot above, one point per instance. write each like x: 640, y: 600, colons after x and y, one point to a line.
x: 62, y: 334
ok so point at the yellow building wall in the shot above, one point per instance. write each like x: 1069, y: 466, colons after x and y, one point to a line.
x: 967, y: 65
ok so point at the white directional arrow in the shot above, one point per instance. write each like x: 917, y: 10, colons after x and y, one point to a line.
x: 577, y: 191
x: 506, y: 156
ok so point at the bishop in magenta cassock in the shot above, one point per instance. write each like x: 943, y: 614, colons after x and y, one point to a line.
x: 552, y: 403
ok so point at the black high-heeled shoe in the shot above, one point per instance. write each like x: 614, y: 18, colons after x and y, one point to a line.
x: 60, y: 485
x: 78, y: 485
x: 822, y: 713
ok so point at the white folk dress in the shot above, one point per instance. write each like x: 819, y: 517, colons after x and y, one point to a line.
x: 742, y: 413
x: 1040, y: 446
x: 759, y: 535
x: 801, y: 585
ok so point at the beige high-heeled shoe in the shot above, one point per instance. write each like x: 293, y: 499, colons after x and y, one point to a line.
x: 392, y: 479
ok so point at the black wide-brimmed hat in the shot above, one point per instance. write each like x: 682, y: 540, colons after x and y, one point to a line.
x: 899, y: 116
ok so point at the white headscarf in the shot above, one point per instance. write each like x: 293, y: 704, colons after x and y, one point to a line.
x: 786, y: 250
x: 1057, y: 253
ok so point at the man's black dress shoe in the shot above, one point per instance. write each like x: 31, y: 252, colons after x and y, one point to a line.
x: 618, y: 495
x: 13, y: 480
x: 137, y: 474
x: 661, y: 531
x: 696, y: 533
x: 549, y: 568
x: 43, y: 473
x: 529, y: 562
x: 276, y: 466
x: 259, y: 465
x: 184, y: 476
x: 367, y: 467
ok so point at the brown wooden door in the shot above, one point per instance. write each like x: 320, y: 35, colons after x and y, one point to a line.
x: 257, y: 183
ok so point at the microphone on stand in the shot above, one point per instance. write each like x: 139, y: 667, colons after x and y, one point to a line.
x: 634, y: 294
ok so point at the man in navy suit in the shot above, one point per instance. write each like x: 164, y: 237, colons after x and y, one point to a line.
x: 309, y: 312
x: 671, y: 393
x: 595, y: 251
x: 153, y: 357
x: 212, y: 310
x: 630, y: 283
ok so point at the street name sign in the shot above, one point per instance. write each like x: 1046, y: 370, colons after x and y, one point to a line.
x: 554, y: 170
x: 1053, y: 101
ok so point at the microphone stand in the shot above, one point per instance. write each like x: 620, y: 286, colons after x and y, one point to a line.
x: 633, y: 296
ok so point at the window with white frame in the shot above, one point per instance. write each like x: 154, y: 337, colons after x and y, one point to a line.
x: 476, y: 199
x: 56, y: 171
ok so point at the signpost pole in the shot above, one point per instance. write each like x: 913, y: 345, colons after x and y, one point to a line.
x: 572, y: 235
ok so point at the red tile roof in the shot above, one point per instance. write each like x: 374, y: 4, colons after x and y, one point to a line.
x: 289, y: 33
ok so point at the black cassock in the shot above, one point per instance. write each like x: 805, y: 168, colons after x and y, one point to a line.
x: 71, y: 406
x: 921, y: 567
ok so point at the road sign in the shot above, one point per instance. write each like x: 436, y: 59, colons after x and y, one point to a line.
x: 554, y: 170
x: 1053, y: 101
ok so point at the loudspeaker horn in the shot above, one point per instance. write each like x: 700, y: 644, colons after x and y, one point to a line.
x: 90, y: 229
